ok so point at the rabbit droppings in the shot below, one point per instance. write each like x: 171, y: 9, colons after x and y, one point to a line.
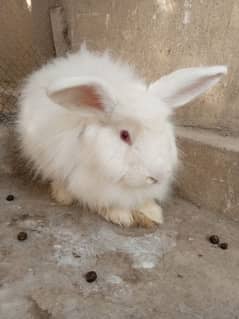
x: 93, y: 128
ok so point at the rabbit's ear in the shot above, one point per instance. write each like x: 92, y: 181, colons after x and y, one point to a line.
x: 80, y: 92
x: 182, y: 86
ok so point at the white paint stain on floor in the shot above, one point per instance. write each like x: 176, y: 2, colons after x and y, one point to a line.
x: 145, y: 251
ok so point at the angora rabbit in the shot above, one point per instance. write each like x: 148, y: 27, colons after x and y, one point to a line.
x: 101, y: 136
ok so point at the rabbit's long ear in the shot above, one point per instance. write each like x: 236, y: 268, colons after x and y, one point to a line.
x: 80, y: 92
x: 182, y: 86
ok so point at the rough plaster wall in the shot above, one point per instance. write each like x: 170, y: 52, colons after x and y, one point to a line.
x: 42, y: 35
x: 159, y: 36
x: 15, y: 38
x: 209, y: 175
x: 25, y: 43
x: 25, y: 33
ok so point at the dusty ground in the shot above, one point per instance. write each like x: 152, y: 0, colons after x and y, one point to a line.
x: 167, y: 272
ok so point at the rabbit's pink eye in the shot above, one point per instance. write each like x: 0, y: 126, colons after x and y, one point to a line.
x: 125, y: 136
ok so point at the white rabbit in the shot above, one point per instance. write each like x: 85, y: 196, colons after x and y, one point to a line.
x: 101, y: 136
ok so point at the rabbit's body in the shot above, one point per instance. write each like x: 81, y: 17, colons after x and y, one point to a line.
x: 90, y: 126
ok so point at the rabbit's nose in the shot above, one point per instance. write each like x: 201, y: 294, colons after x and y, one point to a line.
x: 151, y: 180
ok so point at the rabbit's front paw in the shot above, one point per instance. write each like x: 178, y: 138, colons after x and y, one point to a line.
x: 119, y: 216
x: 60, y: 194
x: 148, y: 215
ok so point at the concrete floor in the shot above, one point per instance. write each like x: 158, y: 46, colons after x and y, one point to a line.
x: 168, y: 272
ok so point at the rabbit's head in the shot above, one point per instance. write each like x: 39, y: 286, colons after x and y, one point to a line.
x: 125, y: 135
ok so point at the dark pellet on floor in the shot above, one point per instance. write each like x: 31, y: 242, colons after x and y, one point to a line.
x: 10, y: 197
x: 223, y: 245
x: 90, y: 276
x: 22, y: 236
x: 214, y: 239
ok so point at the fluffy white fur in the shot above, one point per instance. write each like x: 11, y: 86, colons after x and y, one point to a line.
x: 71, y: 114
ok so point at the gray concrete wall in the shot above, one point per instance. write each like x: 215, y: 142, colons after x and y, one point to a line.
x: 25, y: 37
x: 15, y: 39
x: 25, y: 43
x: 209, y: 174
x: 158, y: 36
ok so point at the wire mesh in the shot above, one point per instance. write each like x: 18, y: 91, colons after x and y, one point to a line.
x: 25, y: 44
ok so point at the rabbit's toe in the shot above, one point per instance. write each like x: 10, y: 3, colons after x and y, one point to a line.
x: 119, y: 216
x: 149, y: 214
x: 60, y: 194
